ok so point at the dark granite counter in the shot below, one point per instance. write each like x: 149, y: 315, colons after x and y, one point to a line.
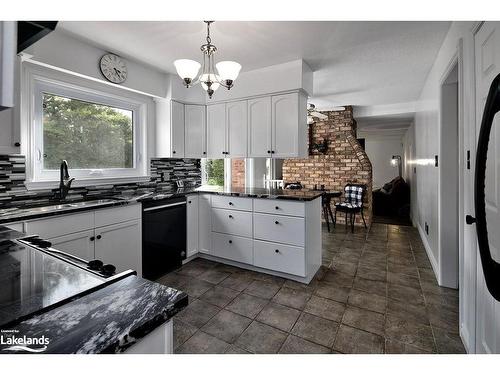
x: 252, y: 192
x: 107, y: 321
x: 13, y: 214
x: 77, y: 311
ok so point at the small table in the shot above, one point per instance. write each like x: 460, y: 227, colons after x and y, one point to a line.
x: 326, y: 201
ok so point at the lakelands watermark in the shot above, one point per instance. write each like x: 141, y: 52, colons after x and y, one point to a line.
x: 14, y: 342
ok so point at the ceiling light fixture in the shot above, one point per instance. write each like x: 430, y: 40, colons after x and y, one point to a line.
x: 212, y: 75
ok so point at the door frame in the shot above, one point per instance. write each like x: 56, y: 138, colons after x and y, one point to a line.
x: 455, y: 62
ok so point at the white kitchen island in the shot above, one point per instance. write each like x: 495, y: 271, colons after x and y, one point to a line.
x: 278, y: 234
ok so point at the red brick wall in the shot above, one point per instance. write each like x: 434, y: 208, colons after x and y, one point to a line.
x: 238, y: 173
x: 344, y: 162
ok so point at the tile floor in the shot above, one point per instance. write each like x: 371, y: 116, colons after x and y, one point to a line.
x: 376, y: 293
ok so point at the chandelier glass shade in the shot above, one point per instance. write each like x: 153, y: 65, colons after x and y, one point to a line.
x: 212, y: 75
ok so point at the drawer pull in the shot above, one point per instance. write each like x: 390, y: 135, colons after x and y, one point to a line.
x: 276, y: 222
x: 230, y: 241
x: 231, y: 203
x: 230, y: 216
x: 276, y: 251
x: 277, y: 207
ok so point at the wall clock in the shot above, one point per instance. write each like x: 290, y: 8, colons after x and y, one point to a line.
x: 113, y: 68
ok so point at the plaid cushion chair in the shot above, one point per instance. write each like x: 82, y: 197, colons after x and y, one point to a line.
x: 352, y: 204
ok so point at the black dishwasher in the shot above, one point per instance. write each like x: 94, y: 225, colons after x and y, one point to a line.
x: 163, y: 236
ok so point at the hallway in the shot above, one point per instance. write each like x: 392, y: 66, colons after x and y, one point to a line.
x: 374, y: 294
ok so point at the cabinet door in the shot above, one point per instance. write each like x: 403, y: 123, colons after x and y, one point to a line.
x: 177, y: 130
x: 195, y: 131
x: 237, y: 129
x: 192, y: 225
x: 120, y: 245
x: 79, y: 244
x: 259, y: 127
x: 216, y: 131
x: 205, y: 223
x: 285, y: 125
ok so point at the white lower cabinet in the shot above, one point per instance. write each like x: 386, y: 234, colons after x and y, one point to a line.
x: 239, y: 249
x: 119, y: 245
x: 205, y: 223
x: 192, y: 214
x: 113, y: 235
x: 234, y: 222
x: 277, y: 228
x: 279, y: 257
x: 80, y: 244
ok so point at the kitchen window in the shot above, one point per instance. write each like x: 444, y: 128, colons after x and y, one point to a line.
x: 101, y: 135
x: 216, y: 172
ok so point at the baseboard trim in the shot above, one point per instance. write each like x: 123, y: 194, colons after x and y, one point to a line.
x: 430, y: 255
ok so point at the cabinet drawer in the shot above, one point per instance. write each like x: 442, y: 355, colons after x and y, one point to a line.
x: 233, y: 203
x: 61, y: 225
x: 238, y: 223
x: 279, y: 207
x: 235, y: 248
x: 278, y: 257
x: 120, y: 214
x: 276, y: 228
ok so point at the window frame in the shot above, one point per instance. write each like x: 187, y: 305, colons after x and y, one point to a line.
x: 227, y: 173
x: 36, y: 85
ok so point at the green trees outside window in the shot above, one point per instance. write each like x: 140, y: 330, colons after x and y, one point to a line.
x: 87, y: 135
x: 214, y: 169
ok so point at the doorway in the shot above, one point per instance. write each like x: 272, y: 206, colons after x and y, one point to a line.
x: 448, y: 163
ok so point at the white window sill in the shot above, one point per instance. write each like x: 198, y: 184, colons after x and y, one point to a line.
x: 44, y: 185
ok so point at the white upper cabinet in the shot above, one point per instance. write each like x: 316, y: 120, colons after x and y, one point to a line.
x: 169, y: 129
x: 259, y: 127
x: 216, y: 131
x: 270, y: 126
x: 195, y: 131
x: 236, y: 129
x: 289, y: 126
x: 177, y: 130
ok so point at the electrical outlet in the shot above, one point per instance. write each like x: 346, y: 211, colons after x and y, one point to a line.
x: 426, y: 228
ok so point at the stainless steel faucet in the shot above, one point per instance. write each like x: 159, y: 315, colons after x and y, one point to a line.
x: 64, y: 180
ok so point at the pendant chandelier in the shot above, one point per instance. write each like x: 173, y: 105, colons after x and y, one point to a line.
x: 212, y: 75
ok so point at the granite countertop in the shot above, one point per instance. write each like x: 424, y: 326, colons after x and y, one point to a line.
x: 253, y: 192
x: 13, y: 214
x: 107, y: 321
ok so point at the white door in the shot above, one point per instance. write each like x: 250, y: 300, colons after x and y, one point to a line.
x: 237, y: 129
x: 468, y: 250
x: 285, y: 125
x: 205, y: 223
x: 177, y: 129
x: 487, y: 42
x: 79, y: 244
x: 120, y: 245
x: 216, y: 131
x: 259, y: 127
x: 192, y: 225
x: 195, y: 131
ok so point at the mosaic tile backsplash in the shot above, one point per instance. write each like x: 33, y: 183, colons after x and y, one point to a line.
x: 164, y: 175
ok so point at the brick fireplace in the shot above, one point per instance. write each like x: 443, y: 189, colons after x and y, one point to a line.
x: 343, y: 161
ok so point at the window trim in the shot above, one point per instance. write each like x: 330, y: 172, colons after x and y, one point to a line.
x: 34, y: 84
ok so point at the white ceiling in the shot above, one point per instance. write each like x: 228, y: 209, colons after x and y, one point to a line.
x: 354, y: 63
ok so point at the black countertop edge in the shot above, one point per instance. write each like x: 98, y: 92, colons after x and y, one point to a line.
x: 281, y: 194
x: 26, y: 215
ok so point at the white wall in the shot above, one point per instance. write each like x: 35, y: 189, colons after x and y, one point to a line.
x: 424, y: 139
x: 380, y: 147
